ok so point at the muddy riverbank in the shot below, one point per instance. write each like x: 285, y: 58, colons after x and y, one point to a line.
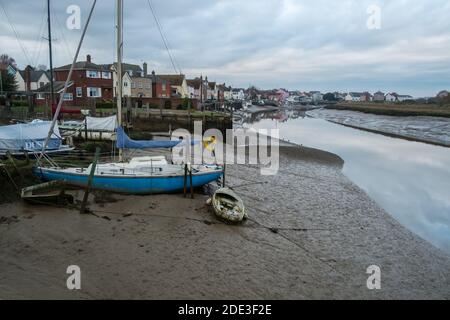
x: 432, y: 130
x: 312, y: 234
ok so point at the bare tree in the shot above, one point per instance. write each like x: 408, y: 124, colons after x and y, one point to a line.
x: 6, y: 60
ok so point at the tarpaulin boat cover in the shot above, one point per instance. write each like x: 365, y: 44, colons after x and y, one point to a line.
x: 28, y: 137
x: 124, y: 142
x: 107, y: 124
x: 101, y: 124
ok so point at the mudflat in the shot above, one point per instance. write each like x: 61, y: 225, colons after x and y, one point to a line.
x: 312, y: 234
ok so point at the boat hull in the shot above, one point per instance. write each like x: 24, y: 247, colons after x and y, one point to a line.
x: 129, y: 184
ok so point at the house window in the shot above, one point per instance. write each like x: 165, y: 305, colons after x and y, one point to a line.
x: 163, y: 87
x: 125, y: 84
x: 79, y: 92
x: 106, y: 75
x: 133, y: 85
x: 94, y: 92
x: 67, y: 96
x: 140, y: 85
x: 148, y: 85
x: 41, y: 84
x: 92, y: 74
x: 40, y: 96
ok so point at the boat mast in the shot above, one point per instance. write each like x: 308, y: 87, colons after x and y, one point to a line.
x: 119, y: 44
x: 52, y: 95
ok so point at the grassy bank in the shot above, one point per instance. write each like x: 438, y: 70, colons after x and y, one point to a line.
x: 393, y: 109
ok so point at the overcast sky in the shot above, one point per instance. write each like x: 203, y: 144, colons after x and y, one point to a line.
x: 295, y: 44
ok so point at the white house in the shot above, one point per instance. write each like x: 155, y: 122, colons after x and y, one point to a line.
x: 391, y: 97
x: 316, y: 96
x: 237, y: 94
x: 227, y: 94
x: 212, y: 91
x: 30, y: 79
x: 128, y: 71
x: 194, y: 87
x: 126, y: 84
x: 353, y: 97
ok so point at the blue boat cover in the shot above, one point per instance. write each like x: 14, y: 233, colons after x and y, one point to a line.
x: 124, y: 142
x: 28, y: 137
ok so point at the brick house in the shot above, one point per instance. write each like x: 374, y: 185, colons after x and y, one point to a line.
x: 178, y: 84
x: 161, y: 88
x: 221, y: 89
x: 90, y: 82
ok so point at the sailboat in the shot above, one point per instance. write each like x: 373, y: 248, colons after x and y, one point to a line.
x: 139, y: 175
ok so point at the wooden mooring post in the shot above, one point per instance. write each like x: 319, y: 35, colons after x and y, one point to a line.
x: 185, y: 180
x: 11, y: 159
x: 190, y: 182
x: 186, y: 172
x: 91, y: 177
x: 224, y: 169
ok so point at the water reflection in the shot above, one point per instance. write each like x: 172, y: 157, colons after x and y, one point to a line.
x: 410, y: 180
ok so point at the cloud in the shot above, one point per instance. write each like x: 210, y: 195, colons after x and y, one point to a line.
x: 307, y: 44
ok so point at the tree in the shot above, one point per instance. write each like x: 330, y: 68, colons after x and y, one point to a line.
x: 8, y: 81
x: 329, y: 97
x: 6, y: 60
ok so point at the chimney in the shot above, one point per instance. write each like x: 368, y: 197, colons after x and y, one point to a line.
x: 28, y: 78
x: 88, y: 58
x: 145, y: 68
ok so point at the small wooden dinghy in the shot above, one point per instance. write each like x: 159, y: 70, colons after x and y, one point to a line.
x: 49, y: 192
x: 228, y: 206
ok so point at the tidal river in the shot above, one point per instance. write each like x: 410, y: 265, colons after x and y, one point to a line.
x: 410, y: 180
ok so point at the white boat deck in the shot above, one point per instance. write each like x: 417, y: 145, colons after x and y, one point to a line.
x: 141, y: 166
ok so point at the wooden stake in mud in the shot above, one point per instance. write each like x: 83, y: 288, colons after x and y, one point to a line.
x: 27, y: 157
x: 90, y: 178
x: 185, y: 180
x: 10, y: 177
x: 224, y: 169
x: 11, y: 159
x: 190, y: 182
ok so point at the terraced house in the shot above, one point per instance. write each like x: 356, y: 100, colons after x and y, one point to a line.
x: 89, y: 82
x: 197, y: 88
x: 130, y: 74
x: 178, y: 84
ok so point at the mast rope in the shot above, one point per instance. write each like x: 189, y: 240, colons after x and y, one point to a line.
x: 164, y: 39
x: 16, y: 34
x: 69, y: 76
